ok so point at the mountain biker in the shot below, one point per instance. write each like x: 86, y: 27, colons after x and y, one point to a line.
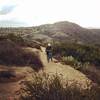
x: 49, y: 52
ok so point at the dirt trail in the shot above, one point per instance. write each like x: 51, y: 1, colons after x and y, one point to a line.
x: 66, y: 71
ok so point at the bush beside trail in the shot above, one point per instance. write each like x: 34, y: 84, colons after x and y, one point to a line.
x: 45, y: 87
x: 82, y: 53
x: 13, y: 54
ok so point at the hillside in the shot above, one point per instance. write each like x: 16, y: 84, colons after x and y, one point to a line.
x: 60, y: 31
x: 22, y: 55
x: 22, y: 74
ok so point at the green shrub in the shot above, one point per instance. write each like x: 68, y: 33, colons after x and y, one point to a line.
x: 44, y: 87
x: 82, y: 53
x: 73, y: 62
x: 69, y: 60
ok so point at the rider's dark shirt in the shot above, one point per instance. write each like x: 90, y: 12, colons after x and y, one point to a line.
x: 48, y: 49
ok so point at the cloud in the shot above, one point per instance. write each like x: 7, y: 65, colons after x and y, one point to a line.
x: 36, y: 12
x: 6, y: 9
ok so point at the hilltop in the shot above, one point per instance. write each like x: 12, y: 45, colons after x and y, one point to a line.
x: 59, y: 31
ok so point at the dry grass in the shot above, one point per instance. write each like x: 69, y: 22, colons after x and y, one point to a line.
x: 12, y: 54
x: 45, y: 87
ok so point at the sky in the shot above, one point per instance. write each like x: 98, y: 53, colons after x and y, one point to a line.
x: 20, y: 13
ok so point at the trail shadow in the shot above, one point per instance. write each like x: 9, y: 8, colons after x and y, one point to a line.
x: 10, y: 76
x: 92, y: 73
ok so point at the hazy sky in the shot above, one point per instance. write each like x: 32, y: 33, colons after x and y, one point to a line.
x: 35, y: 12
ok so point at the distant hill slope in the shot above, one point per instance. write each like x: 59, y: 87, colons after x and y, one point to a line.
x: 60, y: 31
